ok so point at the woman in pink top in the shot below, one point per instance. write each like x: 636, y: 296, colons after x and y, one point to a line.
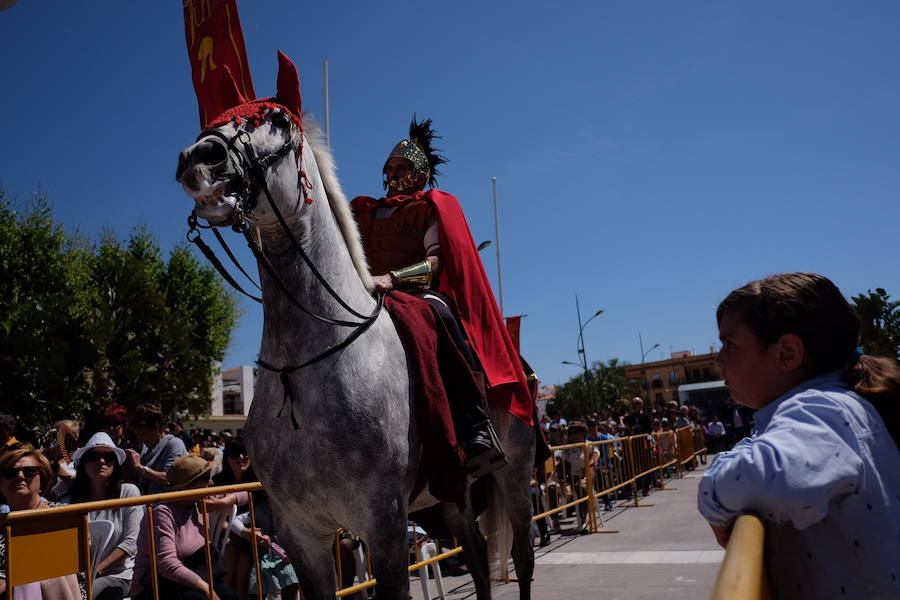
x: 180, y: 547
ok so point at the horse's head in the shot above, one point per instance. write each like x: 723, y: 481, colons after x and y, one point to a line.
x: 254, y: 146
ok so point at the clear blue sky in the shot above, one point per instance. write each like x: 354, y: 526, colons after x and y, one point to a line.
x: 650, y: 156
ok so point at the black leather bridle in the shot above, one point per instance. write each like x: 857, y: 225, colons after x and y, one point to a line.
x: 253, y: 182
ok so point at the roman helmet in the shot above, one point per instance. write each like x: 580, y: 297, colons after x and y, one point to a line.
x: 418, y: 150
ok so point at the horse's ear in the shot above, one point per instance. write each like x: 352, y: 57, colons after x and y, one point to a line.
x: 288, y: 84
x: 231, y: 93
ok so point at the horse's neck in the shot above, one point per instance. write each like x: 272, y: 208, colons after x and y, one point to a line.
x: 287, y: 330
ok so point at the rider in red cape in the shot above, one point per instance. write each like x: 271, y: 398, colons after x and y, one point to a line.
x: 418, y: 241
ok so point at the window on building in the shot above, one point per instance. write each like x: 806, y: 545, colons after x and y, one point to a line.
x: 696, y: 374
x: 657, y: 380
x: 232, y: 403
x: 673, y: 377
x: 707, y: 374
x: 658, y: 398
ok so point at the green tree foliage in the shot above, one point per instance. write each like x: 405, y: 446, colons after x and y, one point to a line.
x: 82, y: 325
x: 879, y: 323
x: 610, y: 391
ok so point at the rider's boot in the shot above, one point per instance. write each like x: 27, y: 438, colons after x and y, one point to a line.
x: 483, y: 452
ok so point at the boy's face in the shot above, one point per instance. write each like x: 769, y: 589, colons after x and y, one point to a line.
x: 750, y: 369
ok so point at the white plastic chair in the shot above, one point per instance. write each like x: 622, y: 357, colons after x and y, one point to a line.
x: 362, y: 567
x: 429, y: 550
x: 219, y: 529
x: 101, y: 532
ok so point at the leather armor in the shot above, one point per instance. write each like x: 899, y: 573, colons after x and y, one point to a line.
x: 397, y: 241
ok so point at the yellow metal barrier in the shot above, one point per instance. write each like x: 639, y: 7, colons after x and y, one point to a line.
x: 51, y: 542
x: 742, y: 575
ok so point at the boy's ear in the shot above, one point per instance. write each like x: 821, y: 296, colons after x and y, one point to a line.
x: 791, y: 352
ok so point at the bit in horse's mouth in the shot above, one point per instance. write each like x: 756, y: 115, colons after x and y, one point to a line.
x: 214, y: 198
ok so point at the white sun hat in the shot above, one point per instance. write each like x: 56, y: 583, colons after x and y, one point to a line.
x: 98, y: 439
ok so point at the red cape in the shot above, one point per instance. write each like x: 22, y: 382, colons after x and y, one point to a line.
x: 464, y: 281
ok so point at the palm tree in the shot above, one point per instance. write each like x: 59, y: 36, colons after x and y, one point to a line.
x: 879, y: 316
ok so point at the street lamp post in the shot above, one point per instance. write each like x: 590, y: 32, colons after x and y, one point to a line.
x: 582, y: 354
x: 643, y: 356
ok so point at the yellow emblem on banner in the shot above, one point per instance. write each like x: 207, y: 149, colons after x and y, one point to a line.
x: 204, y: 54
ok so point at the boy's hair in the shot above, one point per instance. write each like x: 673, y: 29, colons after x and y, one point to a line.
x: 811, y: 307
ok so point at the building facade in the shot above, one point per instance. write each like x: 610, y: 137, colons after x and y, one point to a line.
x: 684, y: 377
x: 232, y: 396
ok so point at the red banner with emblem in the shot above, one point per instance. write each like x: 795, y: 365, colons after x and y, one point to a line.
x: 214, y: 40
x: 513, y: 324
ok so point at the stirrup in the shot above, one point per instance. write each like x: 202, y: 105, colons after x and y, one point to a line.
x: 488, y: 460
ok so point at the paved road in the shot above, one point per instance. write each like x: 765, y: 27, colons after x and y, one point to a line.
x: 665, y: 551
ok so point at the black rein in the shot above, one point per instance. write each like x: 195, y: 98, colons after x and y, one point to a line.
x: 255, y: 167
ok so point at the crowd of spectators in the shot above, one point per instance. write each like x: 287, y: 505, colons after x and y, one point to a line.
x: 566, y: 480
x: 723, y: 428
x: 118, y: 454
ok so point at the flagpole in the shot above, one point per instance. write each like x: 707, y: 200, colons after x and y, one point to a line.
x: 325, y: 92
x: 497, y: 236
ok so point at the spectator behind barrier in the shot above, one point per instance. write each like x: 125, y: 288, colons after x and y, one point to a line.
x: 112, y: 420
x: 575, y: 468
x: 98, y: 476
x: 180, y: 543
x: 278, y: 573
x: 189, y: 442
x: 24, y: 475
x: 715, y: 432
x: 158, y: 451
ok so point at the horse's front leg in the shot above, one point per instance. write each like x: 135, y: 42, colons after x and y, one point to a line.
x: 387, y: 541
x: 312, y: 554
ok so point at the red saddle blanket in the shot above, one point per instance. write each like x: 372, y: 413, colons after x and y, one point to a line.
x: 438, y: 372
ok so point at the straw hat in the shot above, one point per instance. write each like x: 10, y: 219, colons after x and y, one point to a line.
x: 185, y: 471
x: 98, y: 439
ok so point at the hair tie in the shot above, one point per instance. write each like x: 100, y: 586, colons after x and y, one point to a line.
x: 854, y: 356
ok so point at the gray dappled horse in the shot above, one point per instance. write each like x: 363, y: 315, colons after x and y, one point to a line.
x: 353, y: 460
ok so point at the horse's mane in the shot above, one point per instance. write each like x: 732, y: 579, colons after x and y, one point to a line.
x: 336, y: 198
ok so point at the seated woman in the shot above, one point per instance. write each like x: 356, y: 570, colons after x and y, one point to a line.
x: 24, y: 475
x: 237, y: 469
x: 178, y: 529
x: 98, y: 476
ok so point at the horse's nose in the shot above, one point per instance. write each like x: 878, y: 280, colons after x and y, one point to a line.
x: 210, y: 152
x: 182, y: 164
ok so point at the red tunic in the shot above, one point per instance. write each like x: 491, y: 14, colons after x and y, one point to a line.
x: 464, y: 281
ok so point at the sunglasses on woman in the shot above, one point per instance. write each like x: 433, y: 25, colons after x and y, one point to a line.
x: 28, y: 473
x: 108, y: 456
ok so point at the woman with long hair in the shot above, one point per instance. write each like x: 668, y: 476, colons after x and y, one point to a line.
x: 238, y: 552
x: 98, y: 476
